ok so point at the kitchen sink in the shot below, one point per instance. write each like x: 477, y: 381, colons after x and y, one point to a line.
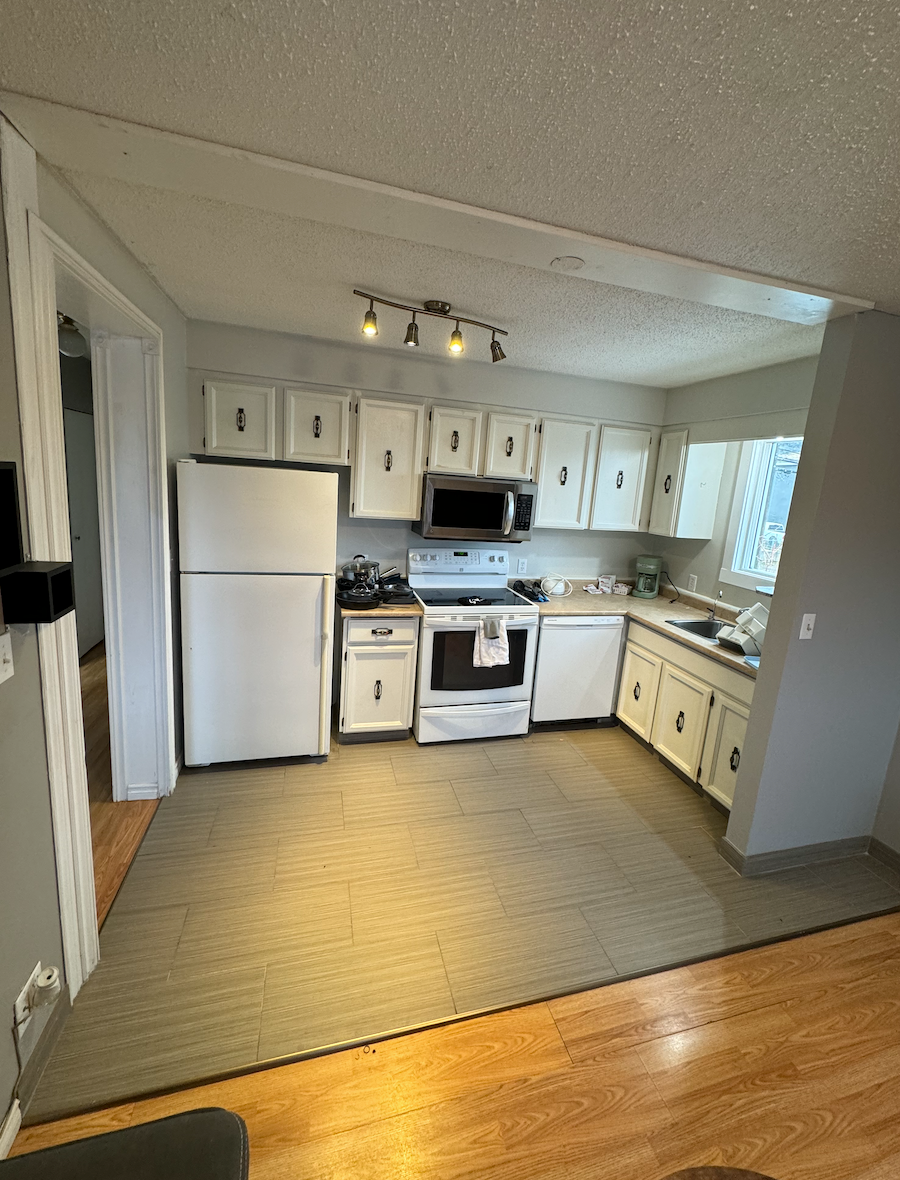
x: 705, y: 628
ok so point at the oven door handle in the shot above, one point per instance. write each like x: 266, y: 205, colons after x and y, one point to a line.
x: 508, y: 514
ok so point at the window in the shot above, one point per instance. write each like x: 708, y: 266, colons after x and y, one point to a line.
x: 759, y: 512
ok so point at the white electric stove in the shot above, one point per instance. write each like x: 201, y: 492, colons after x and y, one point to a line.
x: 456, y: 588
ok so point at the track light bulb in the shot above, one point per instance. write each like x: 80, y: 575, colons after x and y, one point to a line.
x: 370, y: 323
x: 412, y: 333
x: 71, y: 341
x: 456, y: 341
x: 497, y: 353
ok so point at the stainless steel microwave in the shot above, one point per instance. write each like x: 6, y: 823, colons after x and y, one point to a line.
x: 468, y: 508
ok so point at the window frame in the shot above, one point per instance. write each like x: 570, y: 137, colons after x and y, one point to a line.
x: 753, y: 479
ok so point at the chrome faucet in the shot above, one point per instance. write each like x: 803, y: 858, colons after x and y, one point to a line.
x: 711, y: 613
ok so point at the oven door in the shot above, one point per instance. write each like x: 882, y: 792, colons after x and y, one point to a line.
x: 448, y: 677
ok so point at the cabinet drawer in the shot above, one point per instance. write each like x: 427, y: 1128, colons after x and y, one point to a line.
x: 682, y: 715
x: 380, y: 630
x: 638, y: 690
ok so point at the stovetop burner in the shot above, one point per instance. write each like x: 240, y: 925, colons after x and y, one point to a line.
x: 475, y: 598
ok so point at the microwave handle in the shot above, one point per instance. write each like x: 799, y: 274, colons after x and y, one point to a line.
x: 508, y: 514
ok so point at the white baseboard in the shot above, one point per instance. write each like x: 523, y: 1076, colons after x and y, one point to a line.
x: 9, y: 1128
x: 136, y: 791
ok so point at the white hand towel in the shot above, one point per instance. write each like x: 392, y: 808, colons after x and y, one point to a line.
x: 488, y: 653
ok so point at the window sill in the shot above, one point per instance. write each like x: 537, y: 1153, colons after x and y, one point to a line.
x: 745, y: 581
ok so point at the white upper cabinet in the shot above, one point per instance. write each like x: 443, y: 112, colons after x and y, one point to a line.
x: 455, y: 444
x: 316, y: 426
x: 510, y: 446
x: 621, y: 476
x: 387, y: 469
x: 565, y: 473
x: 240, y: 419
x: 686, y: 492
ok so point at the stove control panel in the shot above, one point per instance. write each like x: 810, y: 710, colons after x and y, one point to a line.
x: 457, y: 561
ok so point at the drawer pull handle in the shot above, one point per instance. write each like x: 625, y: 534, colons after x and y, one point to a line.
x: 454, y: 441
x: 637, y: 690
x: 564, y: 475
x: 667, y: 486
x: 509, y: 446
x: 240, y: 418
x: 735, y: 760
x: 388, y: 460
x: 317, y: 427
x: 382, y: 630
x: 377, y: 690
x: 679, y: 722
x: 620, y: 479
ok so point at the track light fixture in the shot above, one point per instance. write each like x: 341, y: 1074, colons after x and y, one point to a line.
x: 439, y: 310
x: 370, y: 323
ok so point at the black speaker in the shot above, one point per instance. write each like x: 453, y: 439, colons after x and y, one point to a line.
x: 10, y: 523
x: 37, y: 591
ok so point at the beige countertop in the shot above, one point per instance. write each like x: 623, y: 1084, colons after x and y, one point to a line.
x: 649, y: 612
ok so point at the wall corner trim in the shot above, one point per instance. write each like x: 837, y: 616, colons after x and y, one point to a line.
x: 9, y: 1128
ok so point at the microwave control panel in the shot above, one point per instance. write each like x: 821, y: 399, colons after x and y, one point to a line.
x: 524, y: 507
x: 457, y: 561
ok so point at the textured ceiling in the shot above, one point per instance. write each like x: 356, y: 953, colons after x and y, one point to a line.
x: 758, y: 135
x: 233, y: 264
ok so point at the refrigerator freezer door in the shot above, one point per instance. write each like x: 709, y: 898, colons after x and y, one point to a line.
x: 256, y: 520
x: 256, y: 666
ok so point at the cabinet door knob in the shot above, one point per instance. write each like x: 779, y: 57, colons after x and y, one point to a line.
x: 388, y: 460
x: 241, y: 418
x: 509, y: 445
x: 735, y: 760
x: 679, y: 722
x: 667, y: 486
x: 620, y: 478
x: 637, y: 690
x: 382, y: 631
x: 564, y: 475
x: 317, y: 427
x: 454, y: 441
x: 377, y: 690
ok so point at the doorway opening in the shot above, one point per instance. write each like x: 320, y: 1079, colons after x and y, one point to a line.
x: 117, y: 828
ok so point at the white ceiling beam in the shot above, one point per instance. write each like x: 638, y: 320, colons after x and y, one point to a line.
x: 81, y: 141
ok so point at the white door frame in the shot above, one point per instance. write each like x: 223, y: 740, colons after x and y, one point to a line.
x: 38, y: 260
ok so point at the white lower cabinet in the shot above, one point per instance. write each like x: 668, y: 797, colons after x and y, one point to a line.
x: 722, y: 749
x: 691, y: 708
x: 638, y: 690
x: 682, y: 713
x: 379, y: 674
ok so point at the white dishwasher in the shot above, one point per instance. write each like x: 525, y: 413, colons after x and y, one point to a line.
x: 577, y: 667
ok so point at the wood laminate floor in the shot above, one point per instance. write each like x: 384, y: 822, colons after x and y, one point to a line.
x: 782, y: 1059
x: 116, y: 828
x: 276, y: 911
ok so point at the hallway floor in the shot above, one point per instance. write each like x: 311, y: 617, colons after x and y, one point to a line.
x: 116, y: 828
x: 276, y: 911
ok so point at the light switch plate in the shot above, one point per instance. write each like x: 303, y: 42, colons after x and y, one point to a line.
x: 807, y: 626
x: 6, y: 659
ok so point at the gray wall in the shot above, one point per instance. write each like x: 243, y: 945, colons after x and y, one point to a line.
x: 826, y: 711
x: 29, y: 904
x: 887, y: 822
x: 242, y: 353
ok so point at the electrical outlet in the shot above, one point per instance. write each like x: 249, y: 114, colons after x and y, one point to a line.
x: 22, y: 1009
x: 522, y: 565
x: 807, y: 626
x: 692, y: 583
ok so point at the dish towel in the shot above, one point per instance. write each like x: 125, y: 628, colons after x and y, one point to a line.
x: 491, y: 644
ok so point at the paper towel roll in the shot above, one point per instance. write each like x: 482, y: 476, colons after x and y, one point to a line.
x: 47, y: 987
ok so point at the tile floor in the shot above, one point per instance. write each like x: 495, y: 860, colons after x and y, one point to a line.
x: 278, y: 910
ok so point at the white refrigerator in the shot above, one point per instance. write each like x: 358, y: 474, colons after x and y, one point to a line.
x: 257, y: 551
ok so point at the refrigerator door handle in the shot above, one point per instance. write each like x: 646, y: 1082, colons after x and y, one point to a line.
x: 325, y: 668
